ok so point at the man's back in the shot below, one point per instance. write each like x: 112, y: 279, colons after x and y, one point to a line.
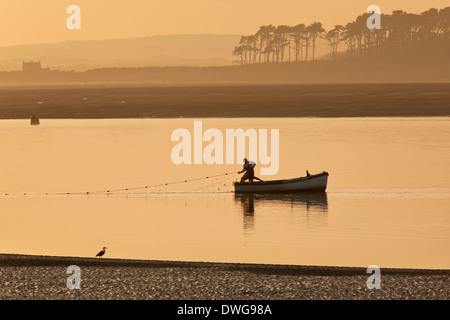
x: 249, y: 166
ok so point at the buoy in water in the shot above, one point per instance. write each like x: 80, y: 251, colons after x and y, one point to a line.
x: 34, y: 119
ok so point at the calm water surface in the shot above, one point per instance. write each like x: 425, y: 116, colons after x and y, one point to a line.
x: 387, y: 201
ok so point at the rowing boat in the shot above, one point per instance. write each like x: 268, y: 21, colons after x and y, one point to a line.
x: 316, y: 182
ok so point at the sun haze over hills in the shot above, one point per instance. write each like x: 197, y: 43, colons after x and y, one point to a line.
x: 43, y: 21
x: 160, y: 50
x: 217, y: 41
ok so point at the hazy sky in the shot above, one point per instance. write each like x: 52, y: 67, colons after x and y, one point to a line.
x: 40, y: 21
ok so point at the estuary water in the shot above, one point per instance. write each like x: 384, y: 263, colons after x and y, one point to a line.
x: 387, y: 202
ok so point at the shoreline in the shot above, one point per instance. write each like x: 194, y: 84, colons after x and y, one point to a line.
x: 28, y: 277
x: 18, y: 260
x: 270, y: 101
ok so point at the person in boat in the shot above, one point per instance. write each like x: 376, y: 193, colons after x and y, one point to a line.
x: 307, y: 173
x: 249, y: 168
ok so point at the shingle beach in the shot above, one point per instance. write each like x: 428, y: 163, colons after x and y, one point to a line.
x: 24, y: 277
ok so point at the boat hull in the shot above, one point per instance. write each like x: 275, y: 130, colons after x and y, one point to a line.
x: 313, y: 183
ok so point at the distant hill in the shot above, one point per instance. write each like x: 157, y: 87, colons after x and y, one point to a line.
x: 428, y: 61
x: 160, y: 50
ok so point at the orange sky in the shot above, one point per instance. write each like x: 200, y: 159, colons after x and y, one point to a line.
x: 31, y: 21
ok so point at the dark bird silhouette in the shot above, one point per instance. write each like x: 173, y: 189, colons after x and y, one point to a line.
x: 101, y: 253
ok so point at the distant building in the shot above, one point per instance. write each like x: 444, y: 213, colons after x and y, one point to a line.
x: 33, y: 66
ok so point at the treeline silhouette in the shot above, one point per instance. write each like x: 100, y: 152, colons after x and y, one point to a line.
x: 284, y: 43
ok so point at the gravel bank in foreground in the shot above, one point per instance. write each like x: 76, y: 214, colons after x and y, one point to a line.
x: 44, y: 277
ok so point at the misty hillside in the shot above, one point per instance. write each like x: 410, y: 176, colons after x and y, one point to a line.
x: 424, y: 62
x: 161, y: 50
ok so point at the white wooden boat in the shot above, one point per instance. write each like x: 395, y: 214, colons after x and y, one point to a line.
x: 316, y: 182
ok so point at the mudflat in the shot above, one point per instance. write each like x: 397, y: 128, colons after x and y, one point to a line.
x: 322, y: 100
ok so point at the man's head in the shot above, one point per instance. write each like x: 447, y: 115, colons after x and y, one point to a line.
x: 245, y: 160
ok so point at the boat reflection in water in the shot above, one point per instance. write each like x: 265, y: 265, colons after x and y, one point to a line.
x: 312, y: 207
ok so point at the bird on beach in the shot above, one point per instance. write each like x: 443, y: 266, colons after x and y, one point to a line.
x: 101, y: 253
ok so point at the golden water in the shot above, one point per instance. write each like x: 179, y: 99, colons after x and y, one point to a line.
x: 387, y: 201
